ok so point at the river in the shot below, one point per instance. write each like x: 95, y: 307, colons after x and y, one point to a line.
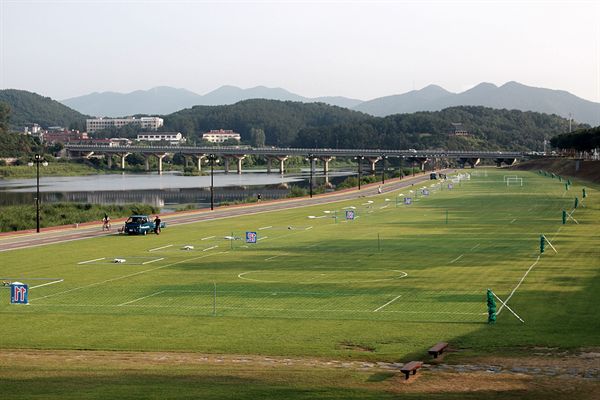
x: 168, y: 191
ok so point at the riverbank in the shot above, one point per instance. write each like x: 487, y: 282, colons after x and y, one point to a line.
x: 584, y: 170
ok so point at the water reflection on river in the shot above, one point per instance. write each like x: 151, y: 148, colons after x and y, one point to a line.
x: 165, y: 191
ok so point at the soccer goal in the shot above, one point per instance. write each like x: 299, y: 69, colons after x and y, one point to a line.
x: 514, y: 181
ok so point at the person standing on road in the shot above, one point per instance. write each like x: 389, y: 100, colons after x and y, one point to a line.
x: 157, y: 225
x: 258, y: 197
x: 106, y: 222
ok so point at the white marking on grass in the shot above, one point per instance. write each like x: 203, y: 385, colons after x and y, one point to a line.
x: 270, y: 258
x: 261, y: 238
x: 141, y: 298
x: 519, y: 284
x: 46, y: 284
x: 514, y: 219
x: 456, y: 259
x: 90, y: 261
x: 210, y: 248
x: 127, y: 276
x: 476, y: 246
x: 151, y: 261
x: 160, y: 248
x: 208, y: 237
x: 308, y: 228
x: 388, y: 303
x: 313, y: 245
x: 265, y: 227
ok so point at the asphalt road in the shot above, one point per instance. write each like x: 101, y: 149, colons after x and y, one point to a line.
x: 28, y: 239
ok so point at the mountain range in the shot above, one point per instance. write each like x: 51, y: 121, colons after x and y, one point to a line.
x: 512, y: 95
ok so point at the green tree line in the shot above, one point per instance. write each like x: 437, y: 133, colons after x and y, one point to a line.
x: 580, y: 140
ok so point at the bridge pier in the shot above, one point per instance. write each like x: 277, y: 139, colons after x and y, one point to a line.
x: 160, y: 162
x: 123, y: 156
x: 239, y: 159
x: 507, y: 161
x: 472, y: 161
x: 420, y: 160
x: 146, y: 162
x: 281, y: 160
x: 108, y: 160
x: 326, y: 160
x: 373, y: 161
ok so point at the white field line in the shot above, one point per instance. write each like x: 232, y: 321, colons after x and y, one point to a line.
x: 512, y: 221
x: 388, y: 303
x: 476, y: 246
x: 127, y: 276
x: 313, y: 245
x: 46, y: 284
x: 261, y: 238
x: 160, y: 248
x: 151, y: 261
x: 456, y: 259
x: 270, y: 258
x: 308, y: 228
x: 208, y: 237
x: 519, y: 284
x: 89, y: 261
x: 265, y: 227
x: 210, y: 248
x: 141, y: 298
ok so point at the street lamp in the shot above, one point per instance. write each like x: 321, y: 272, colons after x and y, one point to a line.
x: 359, y: 160
x: 311, y: 160
x: 37, y: 159
x: 212, y: 159
x: 384, y: 158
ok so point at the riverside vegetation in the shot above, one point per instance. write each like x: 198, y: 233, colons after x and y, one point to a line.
x: 21, y: 217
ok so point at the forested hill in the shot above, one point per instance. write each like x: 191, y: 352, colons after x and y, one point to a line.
x: 27, y: 107
x: 280, y: 120
x: 287, y: 123
x: 489, y: 129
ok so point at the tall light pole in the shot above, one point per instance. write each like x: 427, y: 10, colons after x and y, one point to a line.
x: 311, y: 160
x: 359, y: 161
x: 384, y: 158
x: 37, y: 159
x: 212, y: 158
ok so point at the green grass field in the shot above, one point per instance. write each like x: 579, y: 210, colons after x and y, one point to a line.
x: 385, y: 286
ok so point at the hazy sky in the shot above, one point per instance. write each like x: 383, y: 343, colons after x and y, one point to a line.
x: 359, y: 49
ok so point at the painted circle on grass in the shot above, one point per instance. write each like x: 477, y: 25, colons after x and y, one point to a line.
x: 322, y: 276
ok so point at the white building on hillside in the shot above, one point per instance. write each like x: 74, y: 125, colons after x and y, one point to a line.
x: 97, y: 124
x: 220, y: 135
x: 170, y: 137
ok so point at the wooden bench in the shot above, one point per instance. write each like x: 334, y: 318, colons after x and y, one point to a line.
x: 438, y: 349
x: 412, y: 366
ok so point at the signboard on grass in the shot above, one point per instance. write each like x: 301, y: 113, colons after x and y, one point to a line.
x: 19, y: 293
x: 408, y: 200
x: 251, y: 237
x: 349, y: 214
x: 450, y: 186
x: 425, y: 192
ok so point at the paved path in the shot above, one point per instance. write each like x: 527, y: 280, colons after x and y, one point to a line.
x: 27, y: 239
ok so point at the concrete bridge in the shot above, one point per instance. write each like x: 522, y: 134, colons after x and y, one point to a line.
x: 280, y: 155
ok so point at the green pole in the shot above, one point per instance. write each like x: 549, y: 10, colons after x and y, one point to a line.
x: 566, y: 186
x: 583, y: 194
x: 542, y: 243
x: 576, y: 202
x: 564, y: 217
x: 491, y: 304
x: 378, y: 242
x: 446, y: 216
x: 231, y: 241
